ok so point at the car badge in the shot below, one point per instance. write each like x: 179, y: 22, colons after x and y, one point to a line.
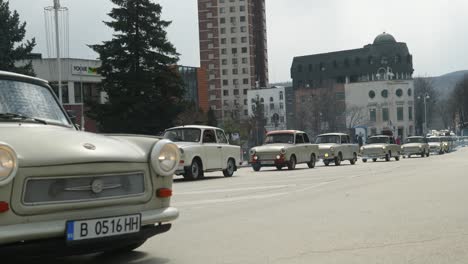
x: 89, y: 146
x: 97, y: 186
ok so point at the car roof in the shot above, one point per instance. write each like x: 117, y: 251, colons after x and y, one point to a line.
x: 416, y: 137
x: 22, y: 77
x: 333, y: 134
x: 195, y: 126
x: 284, y: 132
x: 381, y: 136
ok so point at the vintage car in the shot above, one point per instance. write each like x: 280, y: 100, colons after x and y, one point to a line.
x: 65, y: 191
x: 437, y: 145
x: 415, y: 146
x: 336, y: 147
x: 203, y: 149
x: 284, y: 148
x: 380, y: 147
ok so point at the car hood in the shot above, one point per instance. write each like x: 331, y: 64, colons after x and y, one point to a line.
x: 38, y: 145
x: 413, y: 145
x: 435, y: 143
x: 186, y: 144
x: 375, y: 146
x: 327, y: 145
x: 272, y: 147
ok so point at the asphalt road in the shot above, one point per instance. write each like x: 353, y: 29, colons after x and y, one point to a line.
x: 411, y: 211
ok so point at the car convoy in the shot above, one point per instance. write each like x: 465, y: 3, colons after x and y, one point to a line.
x: 66, y: 192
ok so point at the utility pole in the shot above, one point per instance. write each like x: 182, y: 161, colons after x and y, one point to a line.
x: 57, y: 44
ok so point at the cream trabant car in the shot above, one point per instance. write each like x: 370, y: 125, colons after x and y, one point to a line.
x: 336, y: 147
x: 284, y: 148
x: 64, y: 191
x: 203, y: 149
x: 380, y: 147
x: 437, y: 145
x: 415, y: 146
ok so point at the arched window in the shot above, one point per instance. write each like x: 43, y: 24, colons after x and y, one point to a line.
x: 281, y: 96
x: 271, y: 99
x: 262, y: 100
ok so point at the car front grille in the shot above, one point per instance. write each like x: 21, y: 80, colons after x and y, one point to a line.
x: 69, y: 189
x: 373, y: 151
x: 412, y: 149
x: 267, y: 156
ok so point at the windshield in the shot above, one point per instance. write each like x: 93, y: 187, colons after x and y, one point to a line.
x: 30, y: 100
x: 434, y: 139
x: 415, y: 140
x: 376, y: 140
x: 280, y: 138
x: 183, y: 135
x: 328, y: 139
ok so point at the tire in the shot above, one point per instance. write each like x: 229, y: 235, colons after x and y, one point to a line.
x: 292, y: 163
x: 387, y: 157
x: 231, y: 167
x: 279, y: 167
x: 428, y: 153
x: 353, y: 161
x: 326, y: 162
x: 374, y: 159
x: 338, y: 159
x: 312, y: 161
x: 441, y: 152
x: 194, y: 171
x: 256, y: 167
x: 364, y: 160
x: 397, y: 158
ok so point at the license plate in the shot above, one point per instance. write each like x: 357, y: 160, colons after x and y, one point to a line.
x: 268, y: 162
x: 103, y: 227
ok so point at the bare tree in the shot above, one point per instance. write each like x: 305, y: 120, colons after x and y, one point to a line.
x: 355, y: 116
x: 423, y: 87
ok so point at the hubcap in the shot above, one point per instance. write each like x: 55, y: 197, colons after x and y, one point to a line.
x: 195, y: 169
x: 230, y: 167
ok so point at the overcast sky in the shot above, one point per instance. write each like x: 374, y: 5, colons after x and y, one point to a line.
x: 436, y: 31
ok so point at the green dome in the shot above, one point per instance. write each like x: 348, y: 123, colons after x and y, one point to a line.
x: 384, y: 38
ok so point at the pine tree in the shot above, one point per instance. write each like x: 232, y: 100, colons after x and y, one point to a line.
x: 143, y: 86
x: 12, y: 33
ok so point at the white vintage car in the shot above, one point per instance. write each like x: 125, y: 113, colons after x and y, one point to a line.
x: 380, y: 147
x: 203, y: 149
x: 415, y: 146
x: 284, y: 148
x: 64, y: 191
x: 336, y: 147
x: 437, y: 145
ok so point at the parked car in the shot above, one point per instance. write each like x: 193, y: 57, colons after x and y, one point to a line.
x: 203, y: 149
x: 65, y: 191
x: 284, y: 148
x: 336, y: 147
x: 437, y: 145
x: 415, y: 146
x: 380, y: 147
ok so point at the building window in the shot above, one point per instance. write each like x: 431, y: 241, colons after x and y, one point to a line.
x: 245, y: 81
x: 210, y: 56
x: 234, y: 61
x: 232, y: 9
x: 236, y: 92
x: 245, y: 71
x: 246, y: 112
x: 281, y: 106
x: 281, y: 96
x: 245, y: 101
x: 410, y: 92
x: 234, y: 50
x: 209, y: 15
x: 385, y: 116
x: 222, y: 10
x: 242, y: 8
x: 242, y: 19
x: 224, y: 51
x: 282, y: 120
x: 224, y: 61
x: 244, y: 60
x: 244, y: 40
x: 372, y: 115
x: 225, y: 82
x: 244, y: 50
x: 222, y: 20
x: 373, y: 131
x: 223, y: 40
x: 235, y: 82
x: 245, y: 91
x: 371, y: 94
x: 340, y: 96
x: 226, y: 92
x: 223, y: 30
x: 384, y: 93
x: 272, y: 106
x: 233, y: 19
x: 235, y: 71
x: 233, y: 40
x: 209, y: 25
x: 243, y: 29
x: 410, y: 113
x: 210, y: 46
x: 399, y: 92
x: 233, y: 30
x: 225, y: 72
x: 208, y: 5
x: 400, y: 113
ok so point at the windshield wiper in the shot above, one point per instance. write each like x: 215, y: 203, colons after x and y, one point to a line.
x: 11, y: 116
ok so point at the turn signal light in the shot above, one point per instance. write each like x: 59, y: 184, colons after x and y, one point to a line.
x: 4, y: 207
x: 164, y: 193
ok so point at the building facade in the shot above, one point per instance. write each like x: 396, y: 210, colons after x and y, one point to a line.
x: 274, y: 105
x: 370, y: 87
x: 195, y: 86
x: 233, y: 50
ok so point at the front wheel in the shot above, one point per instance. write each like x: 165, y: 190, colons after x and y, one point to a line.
x: 231, y: 167
x: 428, y: 153
x: 312, y: 161
x: 292, y: 163
x: 194, y: 171
x: 364, y: 160
x: 256, y: 167
x: 387, y: 157
x: 374, y: 159
x: 338, y: 160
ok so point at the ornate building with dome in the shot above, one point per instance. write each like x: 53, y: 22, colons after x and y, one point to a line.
x: 365, y: 91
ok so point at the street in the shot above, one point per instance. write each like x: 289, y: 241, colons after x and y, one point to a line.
x: 411, y: 211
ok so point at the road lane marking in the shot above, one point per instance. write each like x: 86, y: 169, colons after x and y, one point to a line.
x: 239, y: 189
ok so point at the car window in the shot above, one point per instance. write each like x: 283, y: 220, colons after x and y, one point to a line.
x: 306, y: 138
x: 209, y: 136
x: 344, y: 140
x: 299, y: 139
x: 221, y: 137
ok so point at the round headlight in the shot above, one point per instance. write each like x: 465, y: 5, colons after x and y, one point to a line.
x: 362, y: 148
x: 283, y: 151
x: 384, y: 147
x: 278, y: 157
x: 165, y: 157
x: 252, y: 152
x: 8, y: 164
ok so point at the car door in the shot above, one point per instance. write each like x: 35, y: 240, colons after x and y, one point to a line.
x: 345, y: 147
x: 212, y: 150
x: 300, y: 148
x: 308, y: 147
x: 223, y: 146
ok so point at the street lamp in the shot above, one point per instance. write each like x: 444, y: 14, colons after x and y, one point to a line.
x: 425, y: 98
